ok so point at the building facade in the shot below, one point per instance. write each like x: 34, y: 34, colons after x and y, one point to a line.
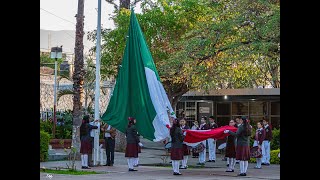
x: 227, y: 104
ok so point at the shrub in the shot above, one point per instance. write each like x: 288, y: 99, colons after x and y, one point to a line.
x: 274, y: 159
x: 275, y: 142
x: 44, y: 145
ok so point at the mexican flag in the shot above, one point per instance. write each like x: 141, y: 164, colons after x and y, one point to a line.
x: 138, y: 91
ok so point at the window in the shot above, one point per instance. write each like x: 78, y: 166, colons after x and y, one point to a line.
x: 275, y: 108
x: 258, y: 108
x: 223, y: 109
x: 240, y: 108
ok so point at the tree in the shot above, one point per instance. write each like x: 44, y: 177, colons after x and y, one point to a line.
x: 88, y: 85
x: 78, y: 78
x: 201, y: 44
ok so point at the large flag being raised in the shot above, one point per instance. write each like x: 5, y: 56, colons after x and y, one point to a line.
x: 138, y: 91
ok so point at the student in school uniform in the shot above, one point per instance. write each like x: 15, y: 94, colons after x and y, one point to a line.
x: 195, y: 127
x: 243, y: 149
x: 258, y: 141
x: 211, y: 141
x: 186, y: 151
x: 176, y: 147
x: 132, y: 143
x: 231, y: 150
x: 86, y: 145
x: 202, y: 155
x: 266, y: 143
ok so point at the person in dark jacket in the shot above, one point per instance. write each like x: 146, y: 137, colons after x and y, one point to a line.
x: 258, y: 141
x: 212, y: 142
x: 176, y: 146
x: 231, y: 150
x: 202, y: 155
x: 185, y: 148
x: 132, y: 143
x: 266, y: 143
x: 243, y: 148
x: 86, y: 145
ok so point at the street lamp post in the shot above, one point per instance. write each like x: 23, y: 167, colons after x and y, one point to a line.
x: 56, y: 52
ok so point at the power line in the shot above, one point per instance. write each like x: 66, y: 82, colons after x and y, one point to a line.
x: 64, y: 20
x: 58, y: 16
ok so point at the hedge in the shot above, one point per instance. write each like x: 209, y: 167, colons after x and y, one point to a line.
x: 274, y: 159
x: 275, y: 142
x: 44, y: 145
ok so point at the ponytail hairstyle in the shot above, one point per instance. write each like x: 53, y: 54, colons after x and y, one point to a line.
x: 173, y: 128
x: 247, y: 129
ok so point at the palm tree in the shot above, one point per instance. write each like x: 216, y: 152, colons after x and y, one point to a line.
x: 78, y: 78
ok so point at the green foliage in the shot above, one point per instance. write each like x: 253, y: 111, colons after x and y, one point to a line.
x: 275, y: 142
x: 45, y: 60
x: 46, y: 126
x: 63, y: 127
x: 69, y: 171
x: 200, y: 44
x: 44, y: 145
x: 274, y: 159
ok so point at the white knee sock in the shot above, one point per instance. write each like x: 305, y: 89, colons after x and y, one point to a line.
x: 229, y: 161
x: 173, y: 165
x: 258, y: 162
x: 241, y: 166
x: 233, y: 163
x: 130, y: 163
x: 82, y: 160
x: 184, y: 161
x: 85, y: 157
x: 245, y: 166
x: 177, y: 166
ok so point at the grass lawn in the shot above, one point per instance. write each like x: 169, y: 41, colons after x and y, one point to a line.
x: 71, y: 172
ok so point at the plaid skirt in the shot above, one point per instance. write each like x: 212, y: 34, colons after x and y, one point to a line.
x: 85, y: 147
x: 132, y: 150
x: 243, y: 153
x: 176, y: 153
x: 186, y: 150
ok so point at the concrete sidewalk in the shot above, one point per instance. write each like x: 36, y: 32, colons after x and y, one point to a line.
x: 147, y: 169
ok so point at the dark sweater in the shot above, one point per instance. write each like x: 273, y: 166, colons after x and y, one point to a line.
x: 242, y: 140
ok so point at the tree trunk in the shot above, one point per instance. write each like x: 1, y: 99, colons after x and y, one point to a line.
x: 78, y: 75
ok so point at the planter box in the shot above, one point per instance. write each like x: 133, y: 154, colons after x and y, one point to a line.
x: 65, y: 143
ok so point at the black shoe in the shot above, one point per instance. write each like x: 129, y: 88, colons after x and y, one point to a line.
x: 106, y: 165
x: 210, y: 161
x: 242, y: 174
x: 133, y: 170
x: 263, y: 163
x: 267, y: 164
x: 183, y: 168
x: 85, y: 167
x: 136, y: 165
x: 213, y: 160
x: 229, y: 170
x: 227, y: 165
x: 175, y: 173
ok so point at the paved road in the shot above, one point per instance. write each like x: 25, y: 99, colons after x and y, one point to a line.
x: 147, y: 170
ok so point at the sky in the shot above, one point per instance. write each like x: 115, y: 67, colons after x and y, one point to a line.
x: 67, y: 9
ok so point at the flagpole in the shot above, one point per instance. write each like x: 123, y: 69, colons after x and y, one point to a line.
x: 97, y: 88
